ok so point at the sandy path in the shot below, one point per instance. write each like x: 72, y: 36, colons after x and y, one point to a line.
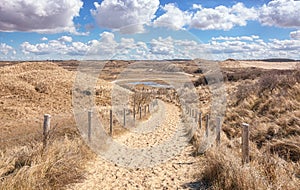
x: 176, y: 173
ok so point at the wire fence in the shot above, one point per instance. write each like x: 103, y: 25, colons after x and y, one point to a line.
x: 33, y: 127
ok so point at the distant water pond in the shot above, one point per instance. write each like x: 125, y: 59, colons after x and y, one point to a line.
x: 152, y: 84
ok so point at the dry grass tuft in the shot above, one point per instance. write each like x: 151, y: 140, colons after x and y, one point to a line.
x: 32, y: 167
x: 224, y: 171
x: 288, y: 149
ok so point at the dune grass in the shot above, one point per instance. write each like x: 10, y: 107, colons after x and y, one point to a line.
x: 34, y: 167
x: 270, y: 103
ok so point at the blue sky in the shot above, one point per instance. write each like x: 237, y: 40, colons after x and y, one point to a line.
x: 149, y: 29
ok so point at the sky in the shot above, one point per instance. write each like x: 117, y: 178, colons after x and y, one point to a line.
x: 149, y: 29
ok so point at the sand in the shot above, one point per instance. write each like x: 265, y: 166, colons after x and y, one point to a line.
x: 175, y: 173
x: 259, y: 64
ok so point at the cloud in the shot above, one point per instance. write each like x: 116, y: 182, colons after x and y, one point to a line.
x: 39, y: 49
x: 295, y: 34
x: 243, y: 38
x: 44, y: 39
x: 107, y: 46
x: 287, y: 45
x: 236, y: 47
x: 280, y: 13
x: 65, y: 39
x: 162, y: 46
x: 196, y: 6
x: 221, y: 17
x: 174, y: 18
x: 78, y: 48
x: 41, y: 16
x: 127, y: 16
x: 6, y: 49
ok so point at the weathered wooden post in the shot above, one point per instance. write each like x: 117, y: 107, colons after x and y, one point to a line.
x: 145, y: 110
x: 245, y: 143
x: 89, y: 125
x: 140, y: 112
x: 148, y: 108
x: 207, y: 125
x: 46, y: 129
x: 110, y: 123
x: 133, y: 108
x: 152, y: 106
x: 200, y: 120
x: 218, y: 131
x: 124, y: 118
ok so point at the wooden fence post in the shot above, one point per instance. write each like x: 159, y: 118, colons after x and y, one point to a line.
x: 145, y: 110
x: 245, y: 143
x: 218, y: 131
x: 89, y: 125
x: 124, y: 117
x: 148, y: 108
x: 134, y: 109
x: 207, y: 125
x: 152, y: 106
x: 140, y: 112
x: 46, y: 129
x: 200, y: 120
x: 111, y: 123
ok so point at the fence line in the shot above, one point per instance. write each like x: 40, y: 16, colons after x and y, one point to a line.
x: 111, y: 118
x: 152, y: 104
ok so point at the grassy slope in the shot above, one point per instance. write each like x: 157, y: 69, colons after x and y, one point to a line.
x: 270, y: 103
x: 28, y: 90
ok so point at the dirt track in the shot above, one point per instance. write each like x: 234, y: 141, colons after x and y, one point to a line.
x: 177, y: 172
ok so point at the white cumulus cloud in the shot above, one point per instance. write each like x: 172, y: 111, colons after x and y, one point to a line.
x: 108, y: 46
x: 281, y: 13
x: 65, y: 39
x: 105, y: 46
x: 295, y: 34
x: 43, y: 16
x: 174, y: 18
x: 6, y: 49
x: 221, y: 17
x: 243, y: 38
x: 127, y: 16
x: 237, y: 48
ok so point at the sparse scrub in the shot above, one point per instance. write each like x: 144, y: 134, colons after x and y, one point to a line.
x: 141, y: 99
